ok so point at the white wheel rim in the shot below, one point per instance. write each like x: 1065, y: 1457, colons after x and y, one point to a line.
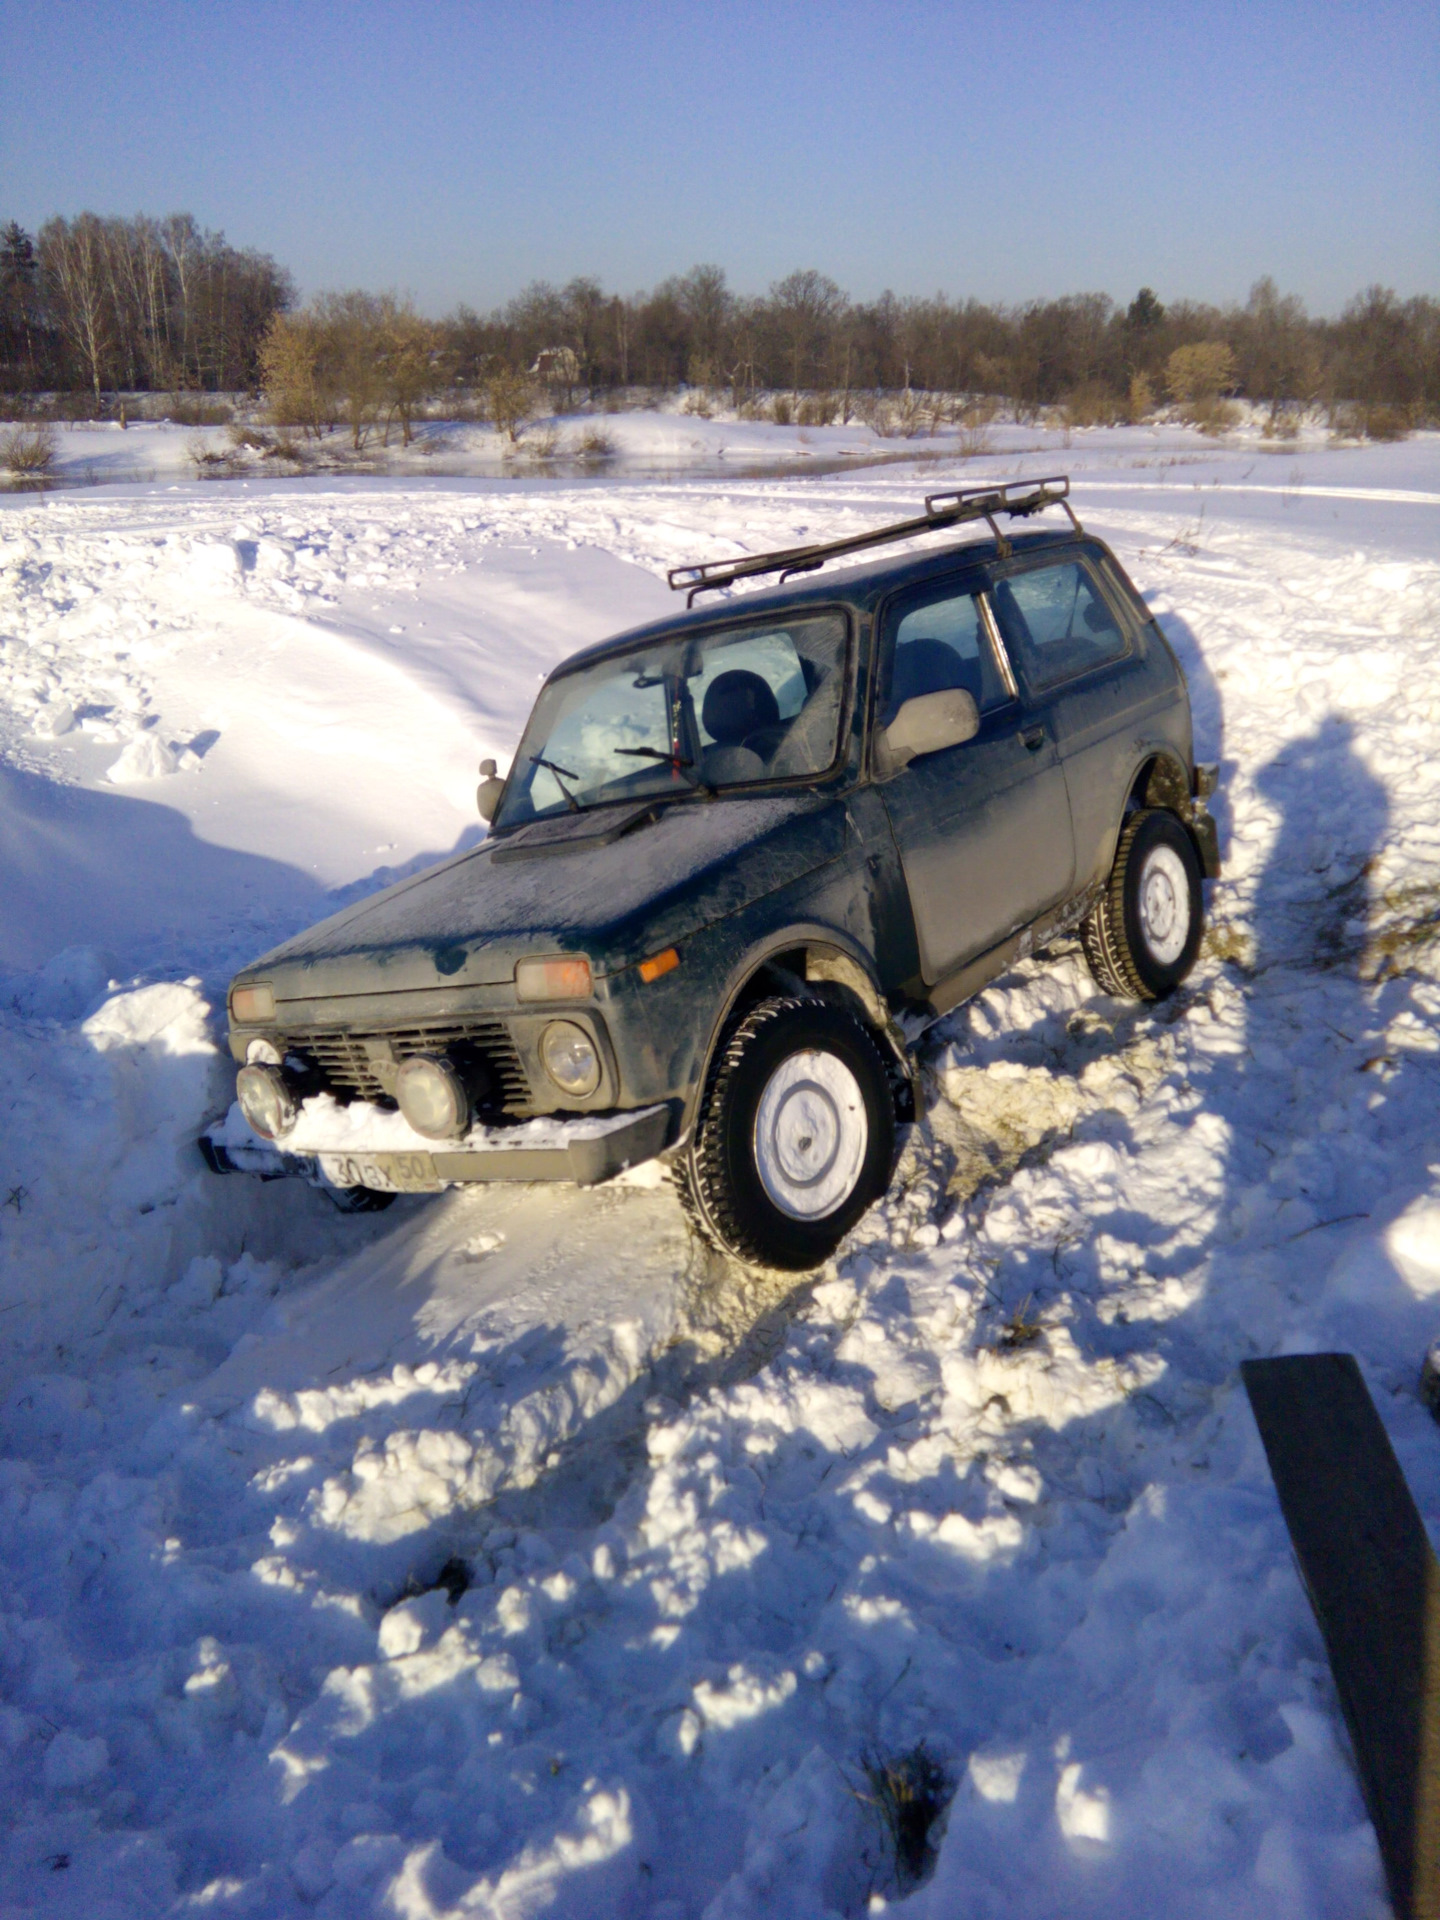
x: 811, y: 1133
x: 1165, y: 905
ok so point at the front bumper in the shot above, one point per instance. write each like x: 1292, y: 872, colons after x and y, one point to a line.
x: 584, y: 1149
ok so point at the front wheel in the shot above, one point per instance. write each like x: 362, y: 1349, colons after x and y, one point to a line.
x: 795, y: 1136
x: 1143, y: 934
x: 358, y: 1199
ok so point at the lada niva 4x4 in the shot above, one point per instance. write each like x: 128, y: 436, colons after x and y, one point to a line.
x: 740, y: 858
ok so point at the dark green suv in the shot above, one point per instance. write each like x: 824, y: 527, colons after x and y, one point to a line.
x: 740, y: 858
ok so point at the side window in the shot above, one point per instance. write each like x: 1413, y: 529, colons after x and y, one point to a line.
x: 933, y: 645
x: 1055, y: 622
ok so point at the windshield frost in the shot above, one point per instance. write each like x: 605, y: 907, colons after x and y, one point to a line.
x: 703, y: 711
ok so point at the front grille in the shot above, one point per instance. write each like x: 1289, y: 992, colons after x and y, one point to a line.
x: 348, y: 1065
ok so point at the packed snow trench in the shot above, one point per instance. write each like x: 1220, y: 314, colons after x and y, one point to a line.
x: 502, y: 1554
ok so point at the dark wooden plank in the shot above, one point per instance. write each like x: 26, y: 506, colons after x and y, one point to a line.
x: 1373, y: 1582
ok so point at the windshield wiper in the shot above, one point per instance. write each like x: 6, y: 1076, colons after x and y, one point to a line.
x: 539, y: 760
x: 675, y: 760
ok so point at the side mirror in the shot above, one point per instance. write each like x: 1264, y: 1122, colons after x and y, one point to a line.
x: 487, y: 794
x: 926, y: 724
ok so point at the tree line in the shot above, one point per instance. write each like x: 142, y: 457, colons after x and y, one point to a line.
x: 96, y: 305
x: 133, y: 305
x: 806, y: 335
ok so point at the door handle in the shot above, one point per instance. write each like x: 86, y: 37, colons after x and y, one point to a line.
x: 1033, y: 737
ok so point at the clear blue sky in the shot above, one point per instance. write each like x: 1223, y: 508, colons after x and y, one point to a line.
x: 457, y: 151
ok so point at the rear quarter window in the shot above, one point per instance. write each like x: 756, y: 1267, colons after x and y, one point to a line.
x: 1056, y: 623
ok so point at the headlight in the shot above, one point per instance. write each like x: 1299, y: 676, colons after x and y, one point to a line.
x: 249, y: 1004
x: 568, y: 1055
x: 266, y: 1100
x: 432, y: 1097
x: 566, y: 977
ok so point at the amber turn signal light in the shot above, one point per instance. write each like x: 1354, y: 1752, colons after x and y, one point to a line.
x: 249, y: 1004
x: 566, y: 977
x: 659, y: 963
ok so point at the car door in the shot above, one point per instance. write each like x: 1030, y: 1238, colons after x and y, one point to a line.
x: 1077, y: 652
x: 983, y: 829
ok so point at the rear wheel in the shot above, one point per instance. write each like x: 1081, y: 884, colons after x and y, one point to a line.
x: 1143, y: 934
x: 795, y: 1137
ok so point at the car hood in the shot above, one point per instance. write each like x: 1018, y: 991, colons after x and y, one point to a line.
x: 616, y: 884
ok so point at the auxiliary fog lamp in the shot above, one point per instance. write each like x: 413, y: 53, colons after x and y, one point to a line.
x: 433, y: 1097
x: 267, y: 1099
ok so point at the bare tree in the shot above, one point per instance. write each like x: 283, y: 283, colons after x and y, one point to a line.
x: 411, y: 361
x: 705, y: 300
x: 584, y: 310
x: 806, y: 306
x: 512, y: 401
x: 620, y: 321
x: 1275, y: 355
x: 20, y: 320
x: 350, y: 325
x: 72, y: 257
x: 295, y: 380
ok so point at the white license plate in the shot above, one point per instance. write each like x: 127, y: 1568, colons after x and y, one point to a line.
x: 386, y: 1172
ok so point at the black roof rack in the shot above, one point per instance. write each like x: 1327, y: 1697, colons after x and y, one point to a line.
x: 1016, y: 499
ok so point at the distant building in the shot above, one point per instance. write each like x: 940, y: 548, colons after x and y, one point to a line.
x: 558, y: 364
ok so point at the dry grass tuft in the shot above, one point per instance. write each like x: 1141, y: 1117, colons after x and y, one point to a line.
x: 191, y: 411
x: 1020, y: 1330
x: 819, y: 410
x: 1349, y: 422
x: 1225, y: 941
x: 1409, y: 930
x: 216, y: 463
x: 544, y: 443
x: 909, y: 1792
x: 28, y: 452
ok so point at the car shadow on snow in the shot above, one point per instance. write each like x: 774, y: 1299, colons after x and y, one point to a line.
x: 1159, y: 1596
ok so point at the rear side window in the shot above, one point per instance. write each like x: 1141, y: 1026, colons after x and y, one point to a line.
x: 1056, y: 623
x: 936, y: 644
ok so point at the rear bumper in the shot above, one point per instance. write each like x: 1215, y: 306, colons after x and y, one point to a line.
x: 1207, y: 839
x: 583, y: 1150
x: 1202, y: 824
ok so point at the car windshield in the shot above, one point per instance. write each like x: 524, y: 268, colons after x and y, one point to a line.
x: 693, y: 713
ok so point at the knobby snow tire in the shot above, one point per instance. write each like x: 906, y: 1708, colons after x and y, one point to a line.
x: 1113, y: 936
x: 720, y: 1184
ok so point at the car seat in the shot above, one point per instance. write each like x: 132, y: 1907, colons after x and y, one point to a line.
x: 742, y: 717
x: 737, y: 704
x: 930, y: 666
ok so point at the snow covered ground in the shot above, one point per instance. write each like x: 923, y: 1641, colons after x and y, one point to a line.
x: 990, y: 1483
